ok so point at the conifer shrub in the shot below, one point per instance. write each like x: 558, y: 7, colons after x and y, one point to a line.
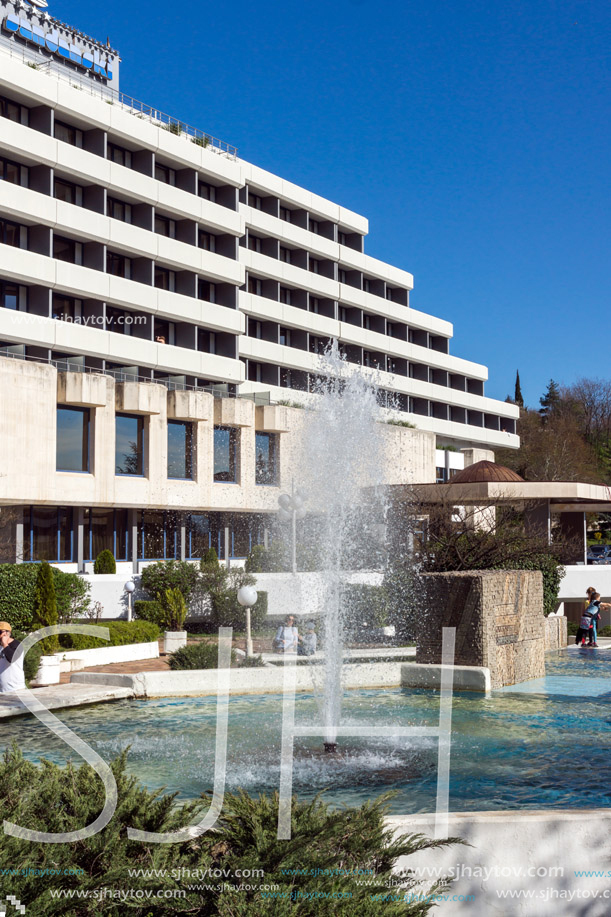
x: 105, y: 562
x: 45, y: 607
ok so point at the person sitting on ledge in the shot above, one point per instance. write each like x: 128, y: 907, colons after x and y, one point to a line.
x: 11, y: 669
x: 287, y: 636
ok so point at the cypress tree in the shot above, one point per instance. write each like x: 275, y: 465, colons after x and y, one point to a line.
x: 45, y: 606
x: 518, y: 399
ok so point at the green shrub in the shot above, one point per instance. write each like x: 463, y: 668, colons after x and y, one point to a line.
x: 604, y: 631
x: 45, y: 606
x: 169, y: 574
x: 252, y: 662
x: 18, y: 590
x: 255, y: 562
x: 572, y: 627
x: 197, y: 656
x: 121, y: 633
x: 328, y: 843
x: 105, y: 562
x: 148, y: 610
x: 552, y: 574
x: 32, y: 657
x: 173, y: 608
x: 72, y: 595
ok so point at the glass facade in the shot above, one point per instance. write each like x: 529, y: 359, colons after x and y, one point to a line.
x: 72, y: 439
x: 266, y: 459
x: 47, y: 533
x: 226, y: 440
x: 106, y: 529
x: 180, y: 450
x: 129, y: 444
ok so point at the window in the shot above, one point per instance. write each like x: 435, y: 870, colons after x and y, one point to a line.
x: 314, y: 265
x: 226, y: 441
x: 254, y: 286
x: 343, y: 314
x: 9, y: 295
x: 285, y: 214
x: 206, y: 291
x: 48, y: 533
x: 164, y: 331
x: 285, y: 254
x: 314, y: 304
x: 10, y: 234
x: 115, y: 320
x: 341, y: 276
x: 180, y: 449
x: 254, y: 201
x: 119, y: 155
x: 165, y: 227
x: 64, y: 249
x: 164, y: 279
x: 63, y: 308
x: 10, y: 110
x: 266, y: 464
x: 72, y: 450
x: 254, y: 243
x: 66, y: 191
x: 205, y: 240
x: 67, y: 134
x: 389, y: 293
x: 164, y: 174
x: 118, y: 265
x: 285, y: 295
x: 10, y: 171
x: 285, y: 337
x: 129, y: 444
x: 254, y: 328
x: 314, y: 226
x: 366, y: 285
x: 106, y: 529
x: 119, y: 210
x: 206, y: 341
x: 208, y: 192
x: 341, y: 238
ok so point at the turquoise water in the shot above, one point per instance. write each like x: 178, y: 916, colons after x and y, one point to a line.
x: 543, y: 744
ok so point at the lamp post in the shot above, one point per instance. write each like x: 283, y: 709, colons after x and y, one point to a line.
x: 129, y: 588
x: 247, y: 596
x: 291, y: 509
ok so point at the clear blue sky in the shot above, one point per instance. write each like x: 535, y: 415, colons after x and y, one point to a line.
x: 473, y: 135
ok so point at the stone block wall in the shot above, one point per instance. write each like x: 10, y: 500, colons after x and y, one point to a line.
x: 555, y: 632
x: 499, y: 621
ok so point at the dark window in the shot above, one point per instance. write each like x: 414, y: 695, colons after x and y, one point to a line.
x: 10, y: 233
x: 129, y: 444
x: 164, y: 331
x: 117, y: 265
x: 314, y: 227
x: 285, y: 337
x: 254, y: 201
x: 205, y: 240
x: 180, y: 449
x: 254, y: 286
x: 162, y: 226
x: 10, y: 171
x: 72, y: 451
x: 66, y: 133
x: 119, y: 210
x: 285, y: 254
x: 63, y: 308
x: 66, y: 191
x: 285, y: 295
x: 119, y: 155
x: 64, y: 249
x: 285, y: 214
x: 164, y: 174
x: 342, y: 238
x: 254, y: 243
x: 48, y: 534
x: 199, y: 535
x: 226, y: 454
x: 266, y: 463
x: 115, y: 320
x: 162, y: 278
x: 10, y: 110
x: 206, y: 290
x: 106, y: 530
x: 9, y: 295
x: 208, y: 192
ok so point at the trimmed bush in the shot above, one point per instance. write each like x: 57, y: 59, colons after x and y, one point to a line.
x: 122, y: 633
x: 328, y: 843
x: 197, y: 656
x: 105, y: 562
x: 149, y: 610
x: 252, y: 662
x: 72, y: 595
x: 45, y: 606
x: 169, y: 574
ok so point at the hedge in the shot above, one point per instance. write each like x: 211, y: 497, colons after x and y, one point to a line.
x: 18, y: 587
x: 197, y: 656
x: 145, y: 610
x: 122, y: 633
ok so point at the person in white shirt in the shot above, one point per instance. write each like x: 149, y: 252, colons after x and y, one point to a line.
x: 287, y: 636
x: 11, y: 669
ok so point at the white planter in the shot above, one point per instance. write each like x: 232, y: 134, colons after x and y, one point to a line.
x: 48, y: 672
x: 174, y: 639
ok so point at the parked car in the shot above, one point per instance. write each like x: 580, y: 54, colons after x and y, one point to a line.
x: 599, y: 554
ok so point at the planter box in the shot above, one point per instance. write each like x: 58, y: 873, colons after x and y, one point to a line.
x: 174, y: 640
x: 72, y: 660
x: 48, y: 672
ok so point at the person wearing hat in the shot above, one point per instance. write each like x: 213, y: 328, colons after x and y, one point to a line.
x: 11, y: 669
x: 306, y: 645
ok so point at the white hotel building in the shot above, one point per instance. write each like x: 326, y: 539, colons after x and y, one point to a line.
x: 149, y: 280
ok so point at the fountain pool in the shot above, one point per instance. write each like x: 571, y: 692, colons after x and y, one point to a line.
x: 538, y: 746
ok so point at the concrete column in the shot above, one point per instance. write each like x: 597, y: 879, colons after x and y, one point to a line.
x: 80, y: 539
x: 133, y: 538
x: 266, y: 538
x: 227, y: 547
x: 19, y: 536
x: 183, y: 538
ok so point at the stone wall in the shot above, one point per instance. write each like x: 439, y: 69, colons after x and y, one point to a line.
x: 555, y: 630
x: 499, y: 621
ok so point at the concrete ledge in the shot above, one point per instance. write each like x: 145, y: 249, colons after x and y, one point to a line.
x: 107, y: 655
x: 265, y: 680
x: 59, y: 696
x: 428, y: 675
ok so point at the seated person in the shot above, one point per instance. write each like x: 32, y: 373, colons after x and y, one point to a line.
x: 307, y: 644
x: 287, y: 636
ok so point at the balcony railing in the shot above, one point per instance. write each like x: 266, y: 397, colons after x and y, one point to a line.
x: 114, y: 97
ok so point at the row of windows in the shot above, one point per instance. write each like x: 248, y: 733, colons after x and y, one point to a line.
x: 74, y: 448
x: 50, y: 533
x: 304, y: 220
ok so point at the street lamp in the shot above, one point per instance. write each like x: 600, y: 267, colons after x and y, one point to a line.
x: 129, y: 588
x: 291, y: 509
x: 247, y: 597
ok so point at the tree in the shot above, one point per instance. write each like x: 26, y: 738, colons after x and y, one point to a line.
x: 550, y: 400
x: 45, y: 606
x: 518, y: 399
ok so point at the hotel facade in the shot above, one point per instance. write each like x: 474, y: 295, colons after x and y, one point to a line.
x: 163, y: 305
